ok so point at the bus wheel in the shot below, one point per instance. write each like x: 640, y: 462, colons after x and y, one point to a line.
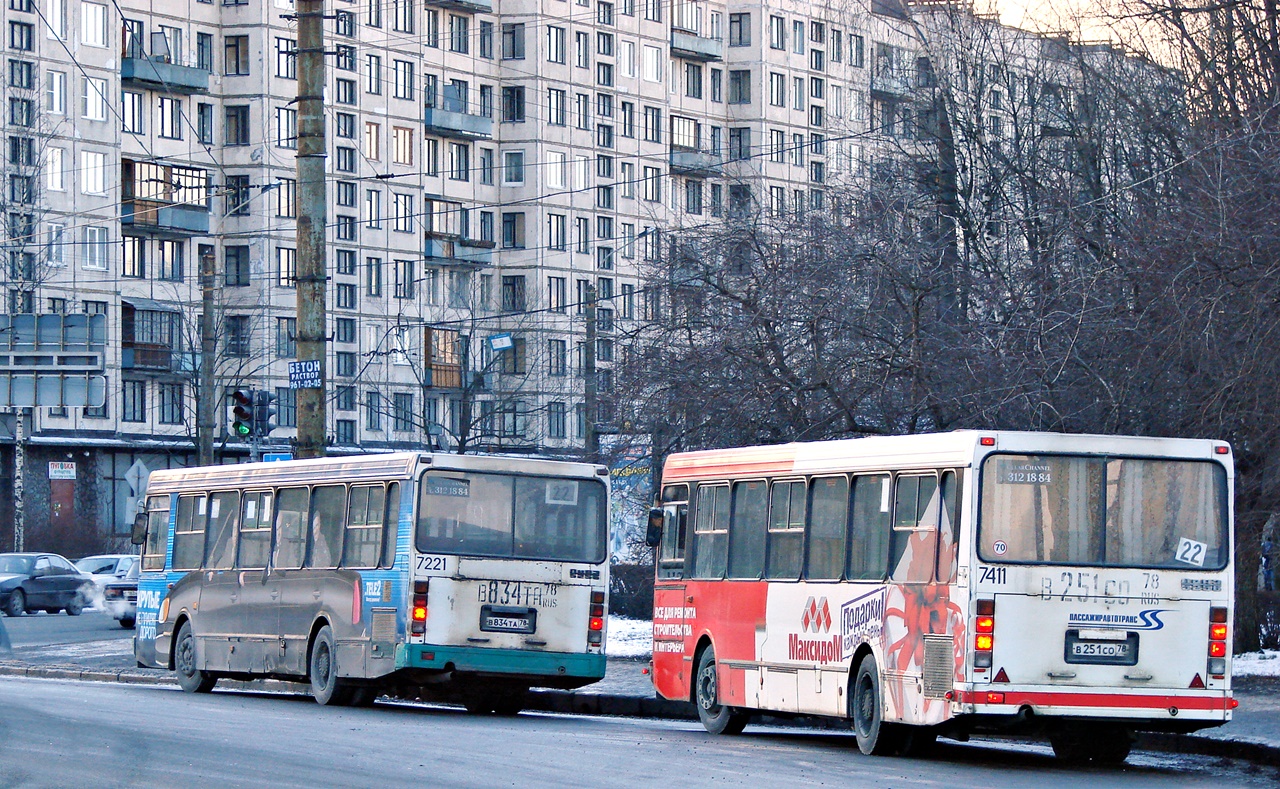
x: 875, y: 737
x: 326, y: 688
x: 716, y: 718
x: 190, y: 677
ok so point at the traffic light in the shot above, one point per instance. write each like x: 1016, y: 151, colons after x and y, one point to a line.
x: 242, y: 411
x: 263, y: 410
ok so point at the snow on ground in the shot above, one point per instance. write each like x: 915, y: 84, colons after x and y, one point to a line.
x: 1257, y: 664
x: 629, y: 637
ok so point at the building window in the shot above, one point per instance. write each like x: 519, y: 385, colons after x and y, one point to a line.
x: 133, y: 401
x: 93, y: 24
x: 286, y: 406
x: 402, y: 145
x: 513, y: 230
x: 404, y: 279
x: 286, y: 266
x: 173, y: 400
x: 237, y: 127
x: 373, y: 411
x: 236, y: 60
x: 402, y: 218
x: 133, y: 257
x: 237, y: 265
x: 402, y: 412
x: 373, y: 277
x: 513, y: 104
x: 739, y: 30
x: 286, y: 338
x: 286, y: 58
x: 171, y: 260
x: 555, y: 419
x: 513, y: 41
x: 347, y: 298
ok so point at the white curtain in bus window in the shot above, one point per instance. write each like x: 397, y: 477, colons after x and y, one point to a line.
x: 747, y: 535
x: 291, y: 534
x: 869, y: 528
x: 1040, y: 508
x: 465, y: 514
x: 157, y: 533
x: 948, y: 530
x: 188, y: 532
x: 827, y: 511
x: 915, y: 529
x: 392, y: 525
x: 255, y: 531
x: 224, y: 509
x: 711, y: 531
x: 1166, y: 514
x: 328, y: 518
x: 786, y: 530
x: 560, y: 519
x: 363, y: 542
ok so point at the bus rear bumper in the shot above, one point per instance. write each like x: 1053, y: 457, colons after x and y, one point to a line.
x: 1148, y: 711
x: 553, y: 669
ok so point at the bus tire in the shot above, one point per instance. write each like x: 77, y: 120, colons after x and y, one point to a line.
x: 190, y: 677
x: 716, y: 718
x: 866, y: 709
x: 322, y: 667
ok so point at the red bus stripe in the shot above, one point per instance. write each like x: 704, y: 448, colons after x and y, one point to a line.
x: 1053, y: 699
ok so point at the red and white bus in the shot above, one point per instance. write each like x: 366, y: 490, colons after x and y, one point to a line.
x: 1070, y: 586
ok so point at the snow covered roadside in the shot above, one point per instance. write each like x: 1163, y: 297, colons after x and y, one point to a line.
x: 629, y: 638
x: 1257, y: 664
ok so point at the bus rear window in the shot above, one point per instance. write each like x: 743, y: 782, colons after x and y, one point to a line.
x: 1106, y: 512
x: 501, y: 515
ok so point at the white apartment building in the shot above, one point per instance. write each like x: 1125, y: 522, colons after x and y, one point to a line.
x: 491, y: 163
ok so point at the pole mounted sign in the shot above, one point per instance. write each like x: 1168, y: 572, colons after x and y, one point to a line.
x: 305, y: 375
x: 52, y: 360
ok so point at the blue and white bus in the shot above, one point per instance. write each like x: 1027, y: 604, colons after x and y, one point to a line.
x: 477, y: 577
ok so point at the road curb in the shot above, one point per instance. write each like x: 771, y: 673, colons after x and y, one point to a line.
x: 577, y: 703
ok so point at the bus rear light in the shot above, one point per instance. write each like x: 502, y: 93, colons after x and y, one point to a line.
x: 1222, y: 450
x: 986, y: 607
x: 1218, y: 615
x: 987, y: 441
x: 983, y: 642
x: 418, y: 626
x: 1218, y: 667
x: 595, y: 637
x: 420, y: 587
x: 995, y: 697
x: 1217, y: 649
x: 597, y: 611
x: 1217, y: 632
x: 420, y: 613
x: 596, y: 624
x: 597, y: 598
x: 985, y: 624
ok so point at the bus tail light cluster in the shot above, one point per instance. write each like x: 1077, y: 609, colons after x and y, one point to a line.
x: 1217, y: 642
x: 595, y: 625
x: 418, y: 625
x: 984, y: 628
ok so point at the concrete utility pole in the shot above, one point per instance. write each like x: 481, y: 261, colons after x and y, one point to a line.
x: 312, y: 217
x: 205, y: 393
x: 589, y: 395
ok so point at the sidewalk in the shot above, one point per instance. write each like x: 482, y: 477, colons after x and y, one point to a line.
x: 1253, y: 734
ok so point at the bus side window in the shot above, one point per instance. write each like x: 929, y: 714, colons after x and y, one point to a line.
x: 747, y: 535
x: 828, y: 508
x: 255, y: 531
x: 949, y: 529
x: 224, y: 516
x: 362, y: 545
x: 157, y: 544
x: 675, y: 522
x: 869, y: 528
x: 711, y: 530
x: 391, y: 525
x: 188, y: 532
x: 291, y: 535
x: 328, y: 517
x: 915, y: 529
x: 786, y: 530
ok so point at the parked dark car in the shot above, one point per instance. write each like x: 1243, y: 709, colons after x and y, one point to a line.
x: 121, y: 597
x: 42, y: 582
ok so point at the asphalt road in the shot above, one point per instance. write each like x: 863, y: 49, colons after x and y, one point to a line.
x: 59, y: 733
x: 50, y: 629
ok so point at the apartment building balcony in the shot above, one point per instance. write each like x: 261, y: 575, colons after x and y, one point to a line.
x: 891, y: 83
x: 159, y: 75
x: 154, y: 215
x: 692, y: 46
x: 457, y: 124
x: 150, y: 336
x: 451, y: 250
x: 690, y: 162
x: 469, y: 6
